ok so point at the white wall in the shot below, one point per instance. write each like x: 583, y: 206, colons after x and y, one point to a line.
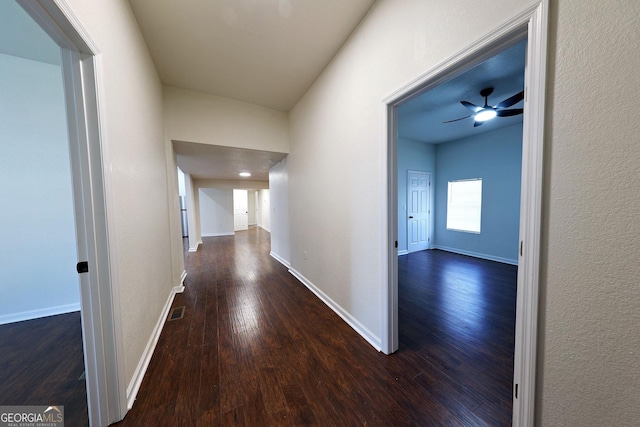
x: 264, y: 210
x: 279, y: 203
x: 37, y: 225
x: 208, y: 119
x: 140, y: 212
x: 590, y: 314
x: 253, y: 219
x: 216, y: 212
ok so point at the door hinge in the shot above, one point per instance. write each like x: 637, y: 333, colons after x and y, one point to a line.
x: 520, y: 247
x: 516, y: 391
x: 82, y: 267
x: 396, y: 244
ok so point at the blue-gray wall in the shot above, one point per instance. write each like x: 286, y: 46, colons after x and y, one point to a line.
x: 496, y: 157
x: 412, y: 156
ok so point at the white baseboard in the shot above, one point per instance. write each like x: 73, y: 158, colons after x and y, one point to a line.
x: 226, y: 233
x: 477, y: 255
x: 265, y: 229
x: 351, y: 321
x: 37, y: 314
x: 280, y: 259
x: 143, y: 364
x: 403, y: 252
x: 198, y: 243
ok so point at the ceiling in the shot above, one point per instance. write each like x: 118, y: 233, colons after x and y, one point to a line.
x: 21, y: 36
x: 269, y: 52
x: 265, y: 52
x: 421, y: 118
x: 205, y: 161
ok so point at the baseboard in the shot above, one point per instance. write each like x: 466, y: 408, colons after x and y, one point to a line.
x: 477, y: 255
x: 226, y: 233
x: 143, y: 364
x: 37, y: 314
x: 265, y: 229
x: 280, y: 259
x: 183, y: 276
x: 198, y: 243
x: 403, y: 252
x: 351, y: 321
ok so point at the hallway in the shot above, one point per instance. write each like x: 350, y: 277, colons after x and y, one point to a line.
x: 255, y: 347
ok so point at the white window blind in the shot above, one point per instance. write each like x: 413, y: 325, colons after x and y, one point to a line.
x: 464, y: 205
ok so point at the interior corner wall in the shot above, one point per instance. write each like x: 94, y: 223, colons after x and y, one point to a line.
x: 208, y: 119
x: 496, y: 157
x: 135, y: 167
x: 279, y: 201
x: 413, y: 156
x: 216, y: 212
x: 37, y: 224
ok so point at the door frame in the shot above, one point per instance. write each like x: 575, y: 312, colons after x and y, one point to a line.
x: 99, y: 299
x: 409, y: 172
x: 531, y: 24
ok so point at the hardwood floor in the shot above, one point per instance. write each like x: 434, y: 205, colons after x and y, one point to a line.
x: 41, y: 363
x: 255, y: 347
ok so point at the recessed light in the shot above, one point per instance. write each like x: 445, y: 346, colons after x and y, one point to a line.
x: 244, y: 174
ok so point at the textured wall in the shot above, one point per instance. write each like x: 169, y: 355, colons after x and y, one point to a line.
x: 134, y: 147
x: 207, y: 119
x: 336, y: 164
x: 590, y: 355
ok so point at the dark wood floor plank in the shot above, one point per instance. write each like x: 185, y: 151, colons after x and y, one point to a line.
x: 42, y: 362
x: 258, y: 348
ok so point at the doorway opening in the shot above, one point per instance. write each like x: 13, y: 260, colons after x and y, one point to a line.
x: 531, y: 25
x: 100, y: 313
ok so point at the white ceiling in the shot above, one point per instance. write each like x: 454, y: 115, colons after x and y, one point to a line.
x: 269, y: 52
x: 265, y: 52
x: 205, y: 161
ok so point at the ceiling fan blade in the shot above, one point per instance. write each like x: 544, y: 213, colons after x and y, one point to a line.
x: 476, y: 124
x: 507, y: 113
x: 511, y: 100
x: 471, y: 106
x: 455, y: 120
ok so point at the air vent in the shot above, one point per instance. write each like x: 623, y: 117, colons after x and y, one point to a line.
x: 176, y: 313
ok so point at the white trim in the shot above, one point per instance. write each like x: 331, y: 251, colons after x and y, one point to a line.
x: 530, y: 24
x: 403, y: 252
x: 477, y: 255
x: 39, y: 313
x: 196, y: 248
x: 183, y: 276
x: 351, y: 321
x: 218, y: 234
x: 265, y: 229
x: 145, y: 359
x: 280, y: 259
x: 102, y: 334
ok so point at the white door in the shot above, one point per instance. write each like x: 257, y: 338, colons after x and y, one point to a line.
x: 418, y: 210
x: 240, y: 210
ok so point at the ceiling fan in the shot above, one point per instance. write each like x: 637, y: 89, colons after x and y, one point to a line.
x: 487, y: 112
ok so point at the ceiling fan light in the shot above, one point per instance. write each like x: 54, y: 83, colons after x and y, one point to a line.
x: 484, y: 115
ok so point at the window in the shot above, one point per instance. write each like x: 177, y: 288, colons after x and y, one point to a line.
x: 464, y: 205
